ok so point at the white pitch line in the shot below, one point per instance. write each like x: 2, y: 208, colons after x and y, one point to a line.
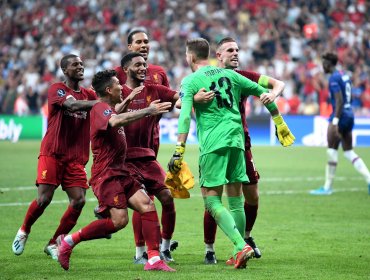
x: 277, y: 192
x: 272, y: 179
x: 53, y: 202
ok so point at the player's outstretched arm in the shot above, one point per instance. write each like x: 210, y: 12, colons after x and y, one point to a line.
x: 277, y: 87
x: 155, y: 108
x: 122, y: 107
x: 73, y: 105
x: 202, y: 96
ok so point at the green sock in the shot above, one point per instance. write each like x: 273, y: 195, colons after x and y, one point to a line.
x: 225, y: 221
x: 236, y: 206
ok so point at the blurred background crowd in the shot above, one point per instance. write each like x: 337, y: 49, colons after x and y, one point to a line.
x: 282, y: 39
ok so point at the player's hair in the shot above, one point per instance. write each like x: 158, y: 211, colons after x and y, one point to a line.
x: 132, y: 33
x: 199, y: 47
x: 102, y: 80
x: 125, y: 61
x: 331, y: 57
x: 223, y: 41
x: 64, y: 60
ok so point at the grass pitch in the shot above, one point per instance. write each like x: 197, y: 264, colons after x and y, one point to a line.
x: 300, y: 236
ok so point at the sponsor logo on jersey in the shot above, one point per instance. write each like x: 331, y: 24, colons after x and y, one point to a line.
x: 107, y: 112
x: 77, y: 114
x: 61, y: 92
x: 138, y: 101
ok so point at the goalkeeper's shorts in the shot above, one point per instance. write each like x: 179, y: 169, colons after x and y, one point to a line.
x: 223, y: 166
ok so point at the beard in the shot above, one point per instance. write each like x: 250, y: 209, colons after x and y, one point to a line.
x: 135, y: 77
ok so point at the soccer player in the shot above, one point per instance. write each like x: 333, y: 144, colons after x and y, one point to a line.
x: 221, y: 140
x: 141, y: 155
x: 64, y: 153
x: 227, y: 55
x: 340, y: 127
x: 138, y: 41
x: 110, y: 179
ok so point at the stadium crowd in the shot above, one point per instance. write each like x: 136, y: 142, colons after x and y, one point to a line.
x: 282, y: 39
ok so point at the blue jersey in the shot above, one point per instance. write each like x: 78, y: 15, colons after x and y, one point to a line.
x: 340, y: 83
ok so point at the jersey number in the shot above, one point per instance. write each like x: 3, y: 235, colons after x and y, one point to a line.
x: 223, y: 102
x: 348, y: 93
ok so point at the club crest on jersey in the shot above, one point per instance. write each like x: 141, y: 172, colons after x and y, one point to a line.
x: 107, y: 112
x: 155, y: 78
x: 148, y: 99
x: 116, y: 200
x: 61, y: 92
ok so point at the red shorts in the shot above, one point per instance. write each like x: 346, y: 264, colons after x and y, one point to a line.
x: 251, y: 171
x: 149, y: 173
x: 115, y: 191
x: 52, y: 171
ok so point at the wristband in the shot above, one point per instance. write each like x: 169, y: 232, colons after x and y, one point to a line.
x: 182, y: 144
x: 335, y: 121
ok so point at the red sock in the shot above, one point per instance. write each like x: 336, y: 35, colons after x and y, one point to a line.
x: 33, y: 213
x: 209, y: 228
x: 95, y: 230
x: 168, y: 220
x: 151, y: 232
x: 137, y: 227
x: 67, y: 222
x: 250, y: 215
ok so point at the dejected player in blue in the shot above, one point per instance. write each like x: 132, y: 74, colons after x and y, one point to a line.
x: 340, y: 127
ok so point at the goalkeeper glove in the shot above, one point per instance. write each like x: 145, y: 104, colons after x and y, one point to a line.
x: 286, y: 138
x: 175, y: 163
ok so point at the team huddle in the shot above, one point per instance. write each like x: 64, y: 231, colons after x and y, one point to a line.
x: 120, y: 119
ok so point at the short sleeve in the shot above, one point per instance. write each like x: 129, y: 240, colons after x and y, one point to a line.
x: 100, y: 115
x: 57, y: 95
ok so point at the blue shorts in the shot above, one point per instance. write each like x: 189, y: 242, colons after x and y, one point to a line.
x: 346, y: 121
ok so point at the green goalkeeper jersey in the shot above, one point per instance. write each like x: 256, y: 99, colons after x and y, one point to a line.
x: 218, y: 122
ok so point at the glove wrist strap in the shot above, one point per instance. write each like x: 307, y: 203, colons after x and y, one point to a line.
x: 278, y: 120
x: 182, y: 144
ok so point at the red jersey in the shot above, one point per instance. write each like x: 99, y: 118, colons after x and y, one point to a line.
x: 108, y: 144
x: 140, y: 134
x: 67, y: 135
x: 253, y: 76
x: 154, y: 75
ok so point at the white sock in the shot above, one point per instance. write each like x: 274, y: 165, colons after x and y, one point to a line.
x: 358, y: 164
x: 140, y: 251
x: 331, y: 167
x: 165, y: 244
x: 210, y: 248
x: 361, y: 167
x: 153, y: 260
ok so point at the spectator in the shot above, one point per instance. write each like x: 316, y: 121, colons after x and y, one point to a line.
x: 287, y: 34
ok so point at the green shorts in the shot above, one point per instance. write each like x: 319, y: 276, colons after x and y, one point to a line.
x: 223, y: 166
